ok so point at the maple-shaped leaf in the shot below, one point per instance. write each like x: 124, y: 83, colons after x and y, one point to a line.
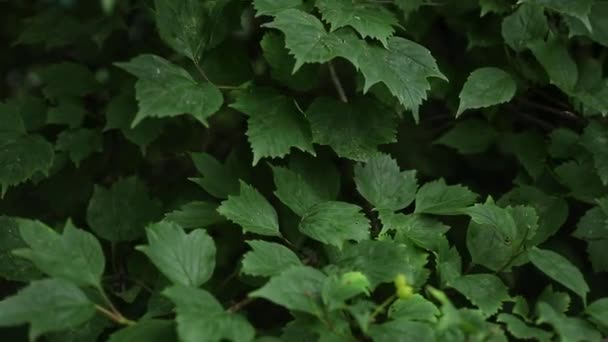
x: 521, y: 330
x: 164, y: 89
x: 369, y: 19
x: 355, y: 129
x: 275, y: 125
x: 486, y: 87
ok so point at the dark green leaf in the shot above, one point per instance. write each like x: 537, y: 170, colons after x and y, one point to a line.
x: 268, y: 259
x: 486, y: 87
x: 441, y: 199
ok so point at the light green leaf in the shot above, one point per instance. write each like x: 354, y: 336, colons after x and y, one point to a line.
x: 568, y: 328
x: 369, y: 19
x: 47, y: 305
x: 272, y: 7
x: 201, y: 318
x: 579, y: 9
x: 355, y: 129
x: 557, y: 62
x: 595, y: 140
x: 122, y: 212
x: 402, y: 330
x: 449, y: 263
x: 486, y: 87
x: 425, y: 232
x: 521, y: 330
x: 75, y: 255
x: 598, y: 311
x: 559, y: 269
x: 252, y: 211
x: 334, y: 223
x: 11, y: 266
x: 274, y: 124
x: 339, y: 288
x: 164, y: 89
x: 526, y: 25
x: 295, y: 192
x: 186, y: 259
x: 79, y: 143
x: 297, y: 288
x: 414, y: 308
x: 153, y: 330
x: 469, y: 137
x: 21, y: 157
x: 219, y: 180
x: 268, y: 259
x: 384, y: 185
x: 438, y: 198
x: 195, y: 215
x: 486, y: 291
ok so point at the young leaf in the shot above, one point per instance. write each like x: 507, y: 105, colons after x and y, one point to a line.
x: 297, y: 288
x: 486, y: 291
x: 195, y: 215
x: 384, y: 185
x: 164, y: 89
x: 268, y: 259
x: 294, y: 191
x: 334, y: 223
x: 274, y: 124
x: 252, y: 211
x: 200, y: 317
x: 355, y: 129
x: 370, y: 20
x: 438, y: 198
x: 521, y: 330
x: 486, y: 87
x: 186, y: 259
x: 121, y: 212
x: 568, y: 328
x: 414, y: 308
x: 79, y: 143
x: 75, y: 255
x: 559, y: 269
x: 218, y: 179
x: 526, y: 25
x: 47, y: 305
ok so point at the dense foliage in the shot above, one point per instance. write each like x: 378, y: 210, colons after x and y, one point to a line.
x: 291, y: 170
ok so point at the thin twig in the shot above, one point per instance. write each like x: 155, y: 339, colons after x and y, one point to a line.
x: 382, y: 307
x: 201, y: 71
x: 116, y: 317
x: 563, y: 113
x: 240, y: 305
x: 337, y: 83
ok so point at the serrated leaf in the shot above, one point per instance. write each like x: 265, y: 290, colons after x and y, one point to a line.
x: 423, y: 231
x: 186, y: 259
x: 449, y: 263
x: 79, y: 143
x: 593, y: 225
x: 469, y: 137
x: 559, y: 301
x: 21, y: 157
x: 200, y: 317
x: 384, y: 185
x: 69, y: 112
x: 334, y: 223
x: 47, y: 305
x: 568, y: 328
x: 529, y: 149
x: 219, y: 180
x: 581, y: 179
x: 402, y: 330
x: 414, y: 308
x: 486, y: 291
x: 272, y: 7
x: 297, y: 288
x: 274, y: 124
x: 493, y: 217
x: 268, y: 259
x: 579, y: 9
x: 595, y: 140
x: 252, y: 211
x: 494, y: 6
x: 75, y: 255
x: 320, y: 172
x: 338, y: 288
x: 598, y: 311
x: 526, y: 25
x: 486, y: 87
x: 195, y: 215
x: 295, y: 192
x: 597, y: 23
x: 153, y: 330
x: 121, y: 212
x: 521, y: 330
x: 11, y: 266
x: 559, y: 269
x: 164, y: 89
x: 557, y: 62
x: 355, y: 129
x: 438, y: 198
x: 370, y: 20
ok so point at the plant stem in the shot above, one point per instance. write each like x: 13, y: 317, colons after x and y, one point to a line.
x: 380, y: 308
x: 243, y: 303
x: 114, y: 316
x: 337, y: 83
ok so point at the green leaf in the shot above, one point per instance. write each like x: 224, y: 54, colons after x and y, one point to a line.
x: 320, y: 172
x: 11, y: 266
x: 579, y: 9
x: 526, y: 25
x: 592, y: 226
x: 581, y: 179
x: 598, y: 311
x: 10, y: 118
x: 272, y: 7
x: 186, y: 259
x: 423, y: 231
x: 486, y: 87
x: 402, y: 330
x: 75, y: 255
x: 334, y: 223
x: 598, y: 255
x: 195, y: 215
x: 164, y: 89
x: 355, y: 129
x: 559, y: 301
x: 339, y: 288
x: 449, y: 263
x: 295, y: 192
x: 529, y: 149
x: 200, y: 317
x: 438, y: 198
x: 414, y: 308
x: 152, y: 330
x: 69, y: 112
x: 21, y: 157
x: 568, y: 328
x: 122, y: 212
x: 79, y: 143
x: 219, y: 180
x: 521, y: 330
x: 47, y: 305
x: 297, y: 288
x: 67, y: 80
x: 469, y: 137
x: 252, y: 211
x: 599, y: 28
x: 268, y: 259
x: 557, y: 62
x: 369, y: 19
x: 486, y: 291
x: 559, y: 269
x: 274, y: 124
x: 493, y: 217
x: 564, y: 143
x: 384, y: 185
x: 595, y: 140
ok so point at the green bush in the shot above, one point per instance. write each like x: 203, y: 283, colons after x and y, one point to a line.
x: 292, y: 170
